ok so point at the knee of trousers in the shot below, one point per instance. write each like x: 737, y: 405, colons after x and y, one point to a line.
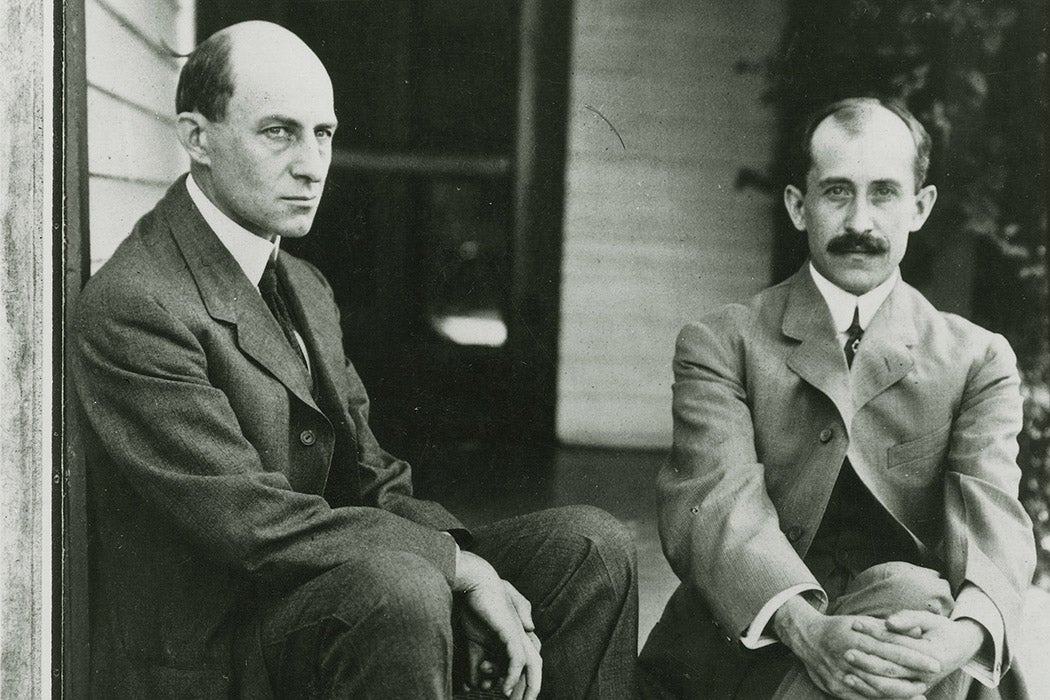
x: 594, y: 531
x: 394, y: 589
x: 896, y: 585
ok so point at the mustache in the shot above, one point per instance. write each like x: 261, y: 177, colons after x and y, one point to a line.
x: 857, y: 243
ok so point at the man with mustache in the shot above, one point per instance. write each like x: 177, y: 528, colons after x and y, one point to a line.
x: 841, y: 502
x: 249, y: 536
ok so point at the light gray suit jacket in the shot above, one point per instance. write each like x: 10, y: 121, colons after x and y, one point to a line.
x: 766, y: 410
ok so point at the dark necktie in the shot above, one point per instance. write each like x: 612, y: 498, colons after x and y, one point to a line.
x: 271, y: 294
x: 853, y: 336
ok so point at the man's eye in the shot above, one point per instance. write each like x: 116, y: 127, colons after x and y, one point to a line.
x: 884, y: 192
x: 836, y: 192
x: 277, y: 132
x: 324, y: 134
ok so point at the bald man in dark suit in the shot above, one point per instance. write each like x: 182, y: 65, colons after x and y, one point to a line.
x: 249, y: 536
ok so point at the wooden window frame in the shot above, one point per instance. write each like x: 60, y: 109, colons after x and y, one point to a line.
x: 70, y: 650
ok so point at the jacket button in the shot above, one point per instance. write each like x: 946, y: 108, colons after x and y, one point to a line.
x: 307, y: 437
x: 825, y: 434
x: 794, y: 533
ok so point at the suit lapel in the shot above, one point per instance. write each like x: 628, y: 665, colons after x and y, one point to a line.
x: 309, y: 325
x: 885, y: 356
x: 817, y: 359
x: 230, y: 297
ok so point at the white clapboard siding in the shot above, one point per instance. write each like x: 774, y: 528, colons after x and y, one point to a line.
x: 127, y: 142
x: 115, y: 207
x: 139, y: 72
x: 145, y: 15
x: 132, y: 70
x: 655, y: 232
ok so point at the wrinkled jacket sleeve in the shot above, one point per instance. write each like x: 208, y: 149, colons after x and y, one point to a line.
x: 719, y: 528
x: 988, y: 536
x: 387, y: 480
x: 384, y: 480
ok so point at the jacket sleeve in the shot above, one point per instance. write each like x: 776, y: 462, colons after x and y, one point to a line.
x: 988, y: 536
x: 384, y: 480
x: 142, y: 379
x: 719, y: 528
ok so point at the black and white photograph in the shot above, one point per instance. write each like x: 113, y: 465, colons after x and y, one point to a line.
x: 530, y: 349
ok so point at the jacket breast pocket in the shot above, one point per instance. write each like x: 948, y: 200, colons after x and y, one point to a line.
x: 918, y: 461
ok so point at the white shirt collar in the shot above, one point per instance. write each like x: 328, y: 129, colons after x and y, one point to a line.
x: 841, y: 303
x: 250, y: 251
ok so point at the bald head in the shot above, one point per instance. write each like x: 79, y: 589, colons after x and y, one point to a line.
x: 248, y: 51
x: 257, y: 117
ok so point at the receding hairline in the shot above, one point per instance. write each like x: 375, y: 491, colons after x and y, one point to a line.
x: 265, y: 42
x: 853, y: 118
x: 258, y: 30
x: 210, y: 77
x: 851, y: 115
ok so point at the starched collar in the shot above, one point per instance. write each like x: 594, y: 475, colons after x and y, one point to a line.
x: 250, y: 251
x: 841, y: 303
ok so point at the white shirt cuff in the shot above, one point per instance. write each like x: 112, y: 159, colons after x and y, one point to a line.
x: 754, y: 636
x: 974, y: 604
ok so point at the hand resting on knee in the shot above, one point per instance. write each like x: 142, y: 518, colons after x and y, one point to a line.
x: 857, y: 657
x: 497, y: 620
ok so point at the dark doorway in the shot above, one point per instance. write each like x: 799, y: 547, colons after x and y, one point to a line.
x: 440, y: 228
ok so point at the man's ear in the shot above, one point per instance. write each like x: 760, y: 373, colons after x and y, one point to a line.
x: 795, y: 203
x: 192, y: 128
x: 924, y: 200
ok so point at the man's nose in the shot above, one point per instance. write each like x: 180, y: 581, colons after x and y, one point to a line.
x: 312, y: 158
x: 859, y: 219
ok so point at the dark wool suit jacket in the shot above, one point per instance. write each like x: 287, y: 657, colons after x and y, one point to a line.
x: 215, y: 477
x: 765, y: 412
